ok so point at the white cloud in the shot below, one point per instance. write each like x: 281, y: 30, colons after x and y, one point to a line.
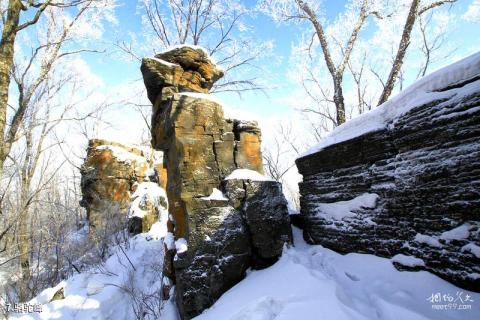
x: 473, y: 12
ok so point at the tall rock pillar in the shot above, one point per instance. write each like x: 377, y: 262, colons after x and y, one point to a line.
x: 213, y: 242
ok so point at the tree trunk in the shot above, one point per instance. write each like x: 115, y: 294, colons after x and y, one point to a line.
x: 402, y: 50
x: 6, y: 62
x: 338, y: 99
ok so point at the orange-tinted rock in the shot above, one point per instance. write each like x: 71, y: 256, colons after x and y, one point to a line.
x: 181, y: 69
x: 109, y: 175
x: 201, y: 148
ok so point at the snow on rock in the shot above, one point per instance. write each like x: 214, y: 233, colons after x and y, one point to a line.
x: 169, y: 241
x: 166, y: 63
x: 419, y: 93
x: 146, y: 192
x: 247, y: 174
x: 312, y: 282
x: 408, y: 261
x: 344, y: 209
x: 472, y: 248
x: 458, y: 233
x: 431, y: 241
x: 121, y: 154
x: 420, y: 153
x: 158, y: 230
x: 216, y: 195
x: 181, y: 245
x: 150, y: 172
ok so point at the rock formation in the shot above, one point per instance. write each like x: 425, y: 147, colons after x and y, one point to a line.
x: 410, y: 187
x: 110, y: 174
x: 225, y: 215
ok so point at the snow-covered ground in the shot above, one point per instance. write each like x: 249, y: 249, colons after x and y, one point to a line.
x: 312, y: 282
x: 104, y: 292
x: 308, y: 282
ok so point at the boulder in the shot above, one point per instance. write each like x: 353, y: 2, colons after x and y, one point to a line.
x: 110, y: 173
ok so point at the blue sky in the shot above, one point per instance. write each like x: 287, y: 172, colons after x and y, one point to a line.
x: 114, y: 71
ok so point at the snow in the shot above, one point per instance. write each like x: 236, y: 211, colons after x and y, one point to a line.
x: 292, y: 210
x: 308, y: 282
x: 312, y: 282
x: 166, y: 63
x: 121, y: 154
x: 472, y: 248
x: 346, y: 209
x: 147, y: 192
x: 181, y: 245
x: 247, y: 174
x: 431, y: 241
x: 150, y: 172
x: 169, y: 241
x: 101, y: 292
x: 216, y: 195
x: 408, y: 261
x: 459, y: 233
x: 419, y: 93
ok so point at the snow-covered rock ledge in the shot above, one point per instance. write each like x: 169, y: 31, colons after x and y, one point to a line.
x: 420, y: 154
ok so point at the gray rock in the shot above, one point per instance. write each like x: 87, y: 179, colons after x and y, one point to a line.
x: 425, y: 168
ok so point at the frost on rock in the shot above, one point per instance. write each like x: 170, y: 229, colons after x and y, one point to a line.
x: 344, y: 209
x: 169, y: 241
x: 149, y: 204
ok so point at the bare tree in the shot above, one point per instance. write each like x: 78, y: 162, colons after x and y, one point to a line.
x: 337, y: 52
x: 303, y: 10
x: 218, y: 26
x: 416, y: 11
x: 433, y: 40
x: 30, y: 11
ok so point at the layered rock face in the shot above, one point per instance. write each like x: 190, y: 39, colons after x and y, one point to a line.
x: 411, y: 187
x: 110, y: 174
x: 224, y: 215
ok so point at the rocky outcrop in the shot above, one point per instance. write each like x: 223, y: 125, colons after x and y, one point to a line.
x: 222, y: 223
x: 184, y: 69
x: 148, y: 205
x: 110, y: 173
x: 408, y: 187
